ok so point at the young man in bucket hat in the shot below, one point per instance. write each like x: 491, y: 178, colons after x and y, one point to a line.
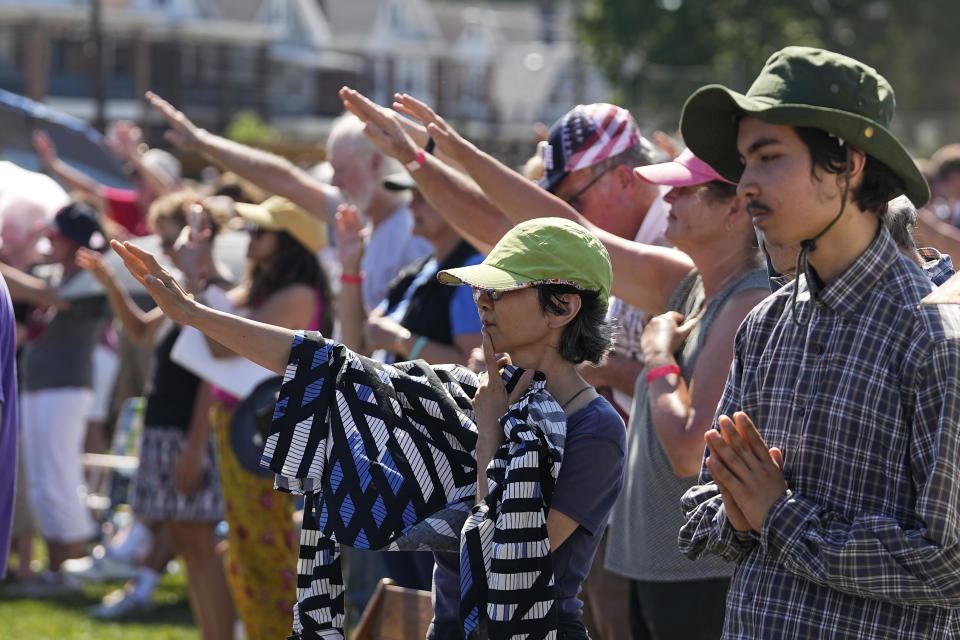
x: 831, y: 477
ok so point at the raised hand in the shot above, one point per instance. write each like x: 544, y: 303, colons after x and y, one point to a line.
x: 46, y: 150
x: 382, y: 126
x: 749, y: 471
x: 93, y: 262
x: 491, y: 400
x: 449, y: 142
x: 193, y: 250
x: 664, y: 335
x: 182, y: 133
x: 124, y: 138
x: 666, y: 144
x: 351, y: 238
x: 162, y: 287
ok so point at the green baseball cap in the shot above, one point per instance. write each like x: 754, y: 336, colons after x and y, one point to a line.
x: 803, y: 87
x: 540, y: 251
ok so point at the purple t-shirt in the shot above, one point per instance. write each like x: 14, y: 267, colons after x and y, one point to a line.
x: 590, y: 480
x: 8, y: 420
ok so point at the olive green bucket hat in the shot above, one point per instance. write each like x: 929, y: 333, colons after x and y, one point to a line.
x: 803, y: 87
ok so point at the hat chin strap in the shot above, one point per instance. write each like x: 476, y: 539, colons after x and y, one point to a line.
x: 810, y: 244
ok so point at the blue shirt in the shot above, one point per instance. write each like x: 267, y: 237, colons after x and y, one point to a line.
x: 463, y: 310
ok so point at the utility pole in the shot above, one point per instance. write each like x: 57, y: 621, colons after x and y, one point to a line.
x: 99, y: 81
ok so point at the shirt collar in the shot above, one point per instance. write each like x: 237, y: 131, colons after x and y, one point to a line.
x: 847, y: 293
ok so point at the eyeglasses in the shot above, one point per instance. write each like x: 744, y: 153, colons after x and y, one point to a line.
x: 492, y: 296
x: 571, y: 199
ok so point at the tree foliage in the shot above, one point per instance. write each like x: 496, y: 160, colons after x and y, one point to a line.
x: 656, y: 52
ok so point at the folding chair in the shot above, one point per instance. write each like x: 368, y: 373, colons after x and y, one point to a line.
x: 395, y: 613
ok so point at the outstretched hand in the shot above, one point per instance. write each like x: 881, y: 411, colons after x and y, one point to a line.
x: 448, y: 141
x: 382, y: 126
x: 182, y: 133
x: 162, y: 287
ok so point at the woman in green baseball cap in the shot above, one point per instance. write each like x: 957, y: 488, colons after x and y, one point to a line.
x: 542, y: 298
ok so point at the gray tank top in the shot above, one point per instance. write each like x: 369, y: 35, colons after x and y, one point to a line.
x: 642, y: 541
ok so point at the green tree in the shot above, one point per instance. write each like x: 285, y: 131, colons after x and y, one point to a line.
x: 656, y: 52
x: 246, y: 127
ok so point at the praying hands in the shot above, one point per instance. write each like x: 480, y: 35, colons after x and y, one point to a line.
x: 747, y: 472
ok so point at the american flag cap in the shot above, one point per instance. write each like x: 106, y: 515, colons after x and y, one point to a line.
x: 584, y: 136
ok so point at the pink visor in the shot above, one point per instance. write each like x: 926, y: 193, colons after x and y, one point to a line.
x: 686, y: 170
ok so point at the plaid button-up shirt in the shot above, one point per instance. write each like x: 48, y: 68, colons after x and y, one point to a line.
x: 865, y: 405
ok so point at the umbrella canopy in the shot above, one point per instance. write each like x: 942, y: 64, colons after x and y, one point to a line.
x: 78, y: 144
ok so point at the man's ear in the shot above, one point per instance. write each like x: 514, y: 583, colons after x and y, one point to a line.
x: 624, y: 176
x: 570, y: 303
x: 858, y: 160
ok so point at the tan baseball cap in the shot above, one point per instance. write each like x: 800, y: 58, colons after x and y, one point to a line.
x: 279, y: 214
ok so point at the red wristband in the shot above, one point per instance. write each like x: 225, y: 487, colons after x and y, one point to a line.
x: 665, y: 370
x: 417, y: 162
x: 351, y: 279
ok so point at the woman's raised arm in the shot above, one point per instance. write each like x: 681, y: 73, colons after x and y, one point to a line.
x: 264, y: 344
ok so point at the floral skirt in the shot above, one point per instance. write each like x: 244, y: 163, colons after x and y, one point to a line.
x: 263, y: 542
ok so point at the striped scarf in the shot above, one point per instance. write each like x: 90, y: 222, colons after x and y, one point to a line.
x: 384, y: 455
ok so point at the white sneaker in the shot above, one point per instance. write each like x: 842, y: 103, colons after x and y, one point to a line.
x: 94, y: 569
x: 119, y: 604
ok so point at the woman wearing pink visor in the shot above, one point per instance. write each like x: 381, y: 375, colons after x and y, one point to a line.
x: 687, y: 353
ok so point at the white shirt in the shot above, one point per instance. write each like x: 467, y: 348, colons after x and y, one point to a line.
x: 631, y: 319
x: 391, y: 247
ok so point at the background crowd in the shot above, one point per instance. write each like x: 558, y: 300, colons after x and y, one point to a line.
x: 357, y: 258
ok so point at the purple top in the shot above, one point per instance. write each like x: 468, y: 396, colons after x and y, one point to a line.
x: 8, y: 420
x: 590, y: 480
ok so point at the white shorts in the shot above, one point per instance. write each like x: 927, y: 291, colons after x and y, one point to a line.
x: 53, y: 426
x: 105, y: 366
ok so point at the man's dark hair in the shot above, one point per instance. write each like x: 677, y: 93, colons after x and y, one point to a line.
x: 879, y: 182
x: 589, y: 336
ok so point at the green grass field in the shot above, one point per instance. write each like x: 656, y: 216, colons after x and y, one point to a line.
x: 66, y: 618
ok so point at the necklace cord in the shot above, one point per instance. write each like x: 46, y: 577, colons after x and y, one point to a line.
x: 810, y: 244
x: 573, y: 397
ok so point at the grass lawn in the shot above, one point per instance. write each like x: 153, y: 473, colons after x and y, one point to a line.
x: 66, y: 618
